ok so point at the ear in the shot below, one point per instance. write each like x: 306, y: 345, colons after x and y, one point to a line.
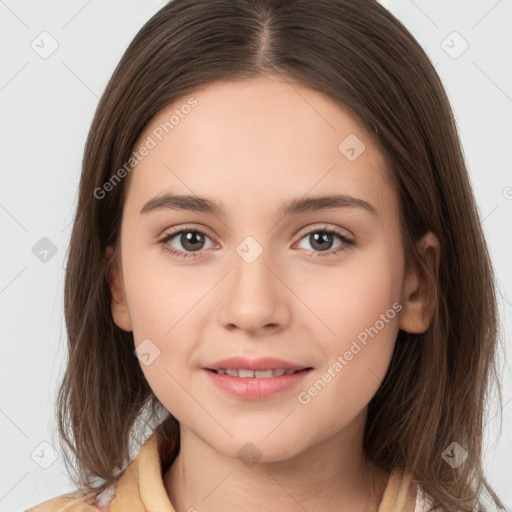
x: 119, y: 306
x: 419, y: 290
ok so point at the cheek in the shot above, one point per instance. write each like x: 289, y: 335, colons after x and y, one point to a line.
x: 359, y: 305
x: 161, y: 297
x: 353, y: 295
x: 164, y: 303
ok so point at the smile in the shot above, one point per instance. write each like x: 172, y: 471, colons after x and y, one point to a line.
x: 261, y: 374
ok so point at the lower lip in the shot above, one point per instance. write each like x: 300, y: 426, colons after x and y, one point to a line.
x: 253, y: 388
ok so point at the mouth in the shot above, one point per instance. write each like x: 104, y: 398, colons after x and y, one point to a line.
x: 256, y: 374
x: 256, y: 379
x: 244, y: 366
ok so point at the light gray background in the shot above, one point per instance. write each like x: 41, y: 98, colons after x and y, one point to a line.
x: 47, y: 106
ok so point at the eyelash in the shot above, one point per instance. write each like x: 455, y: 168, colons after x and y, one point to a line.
x: 347, y: 242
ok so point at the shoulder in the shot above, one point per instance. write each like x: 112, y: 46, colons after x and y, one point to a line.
x: 78, y: 501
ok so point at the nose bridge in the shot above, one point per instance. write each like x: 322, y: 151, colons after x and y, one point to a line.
x: 252, y: 277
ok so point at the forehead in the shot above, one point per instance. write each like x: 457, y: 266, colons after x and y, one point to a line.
x: 252, y: 142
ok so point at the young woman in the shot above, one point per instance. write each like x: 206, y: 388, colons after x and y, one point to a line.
x: 277, y: 253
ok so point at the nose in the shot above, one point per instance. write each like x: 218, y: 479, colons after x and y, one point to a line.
x: 254, y: 298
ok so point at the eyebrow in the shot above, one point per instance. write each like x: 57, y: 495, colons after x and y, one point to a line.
x: 292, y: 207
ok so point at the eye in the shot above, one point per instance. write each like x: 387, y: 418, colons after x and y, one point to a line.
x: 189, y: 240
x: 322, y: 240
x: 192, y: 241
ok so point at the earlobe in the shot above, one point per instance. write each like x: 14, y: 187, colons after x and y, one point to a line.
x: 419, y: 293
x: 119, y: 306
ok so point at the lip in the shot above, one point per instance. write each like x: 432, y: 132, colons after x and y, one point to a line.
x: 260, y: 364
x: 254, y: 388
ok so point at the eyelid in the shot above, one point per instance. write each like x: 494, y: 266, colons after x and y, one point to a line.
x: 325, y: 227
x: 187, y: 227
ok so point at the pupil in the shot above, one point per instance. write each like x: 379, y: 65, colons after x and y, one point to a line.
x: 192, y: 240
x: 322, y: 240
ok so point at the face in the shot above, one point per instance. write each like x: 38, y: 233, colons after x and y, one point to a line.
x: 269, y: 271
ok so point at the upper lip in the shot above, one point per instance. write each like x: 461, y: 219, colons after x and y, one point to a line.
x: 261, y: 364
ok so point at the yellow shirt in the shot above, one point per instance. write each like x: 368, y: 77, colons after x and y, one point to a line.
x: 140, y: 488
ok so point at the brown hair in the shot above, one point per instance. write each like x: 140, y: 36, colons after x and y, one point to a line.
x: 361, y: 56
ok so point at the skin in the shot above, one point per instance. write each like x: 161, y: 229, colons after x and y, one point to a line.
x: 253, y: 145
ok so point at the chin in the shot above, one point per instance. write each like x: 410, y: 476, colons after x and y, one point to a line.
x: 260, y: 448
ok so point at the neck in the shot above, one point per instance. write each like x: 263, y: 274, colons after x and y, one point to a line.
x: 331, y: 475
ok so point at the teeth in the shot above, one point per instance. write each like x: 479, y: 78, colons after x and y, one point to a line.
x: 276, y: 373
x: 259, y: 374
x: 264, y: 374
